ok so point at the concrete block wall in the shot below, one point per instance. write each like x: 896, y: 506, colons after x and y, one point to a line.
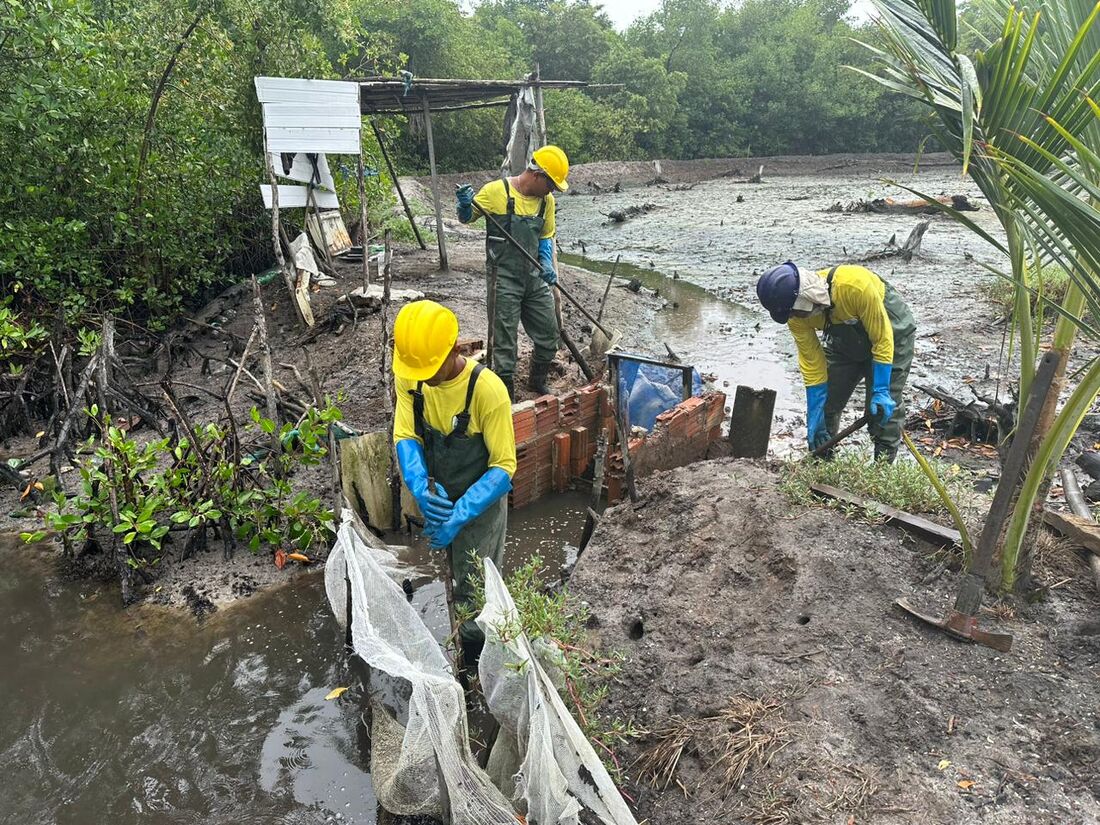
x: 556, y: 438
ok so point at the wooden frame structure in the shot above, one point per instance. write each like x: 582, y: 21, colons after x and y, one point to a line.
x: 421, y: 96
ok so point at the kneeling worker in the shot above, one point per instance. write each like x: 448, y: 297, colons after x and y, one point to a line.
x: 868, y: 333
x: 452, y: 424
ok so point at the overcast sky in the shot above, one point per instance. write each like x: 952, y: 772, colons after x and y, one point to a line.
x: 623, y: 12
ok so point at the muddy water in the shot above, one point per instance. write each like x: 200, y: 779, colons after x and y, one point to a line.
x: 705, y: 237
x: 144, y: 716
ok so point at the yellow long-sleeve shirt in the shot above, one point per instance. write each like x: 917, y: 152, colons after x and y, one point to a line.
x: 490, y: 413
x: 492, y: 199
x: 858, y: 296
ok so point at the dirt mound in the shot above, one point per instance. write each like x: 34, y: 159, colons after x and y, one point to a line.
x: 778, y: 684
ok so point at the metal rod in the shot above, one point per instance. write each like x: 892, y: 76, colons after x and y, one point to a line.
x: 397, y: 186
x: 439, y: 234
x: 858, y: 424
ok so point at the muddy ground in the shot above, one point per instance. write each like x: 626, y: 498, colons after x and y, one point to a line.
x: 720, y: 594
x: 346, y: 357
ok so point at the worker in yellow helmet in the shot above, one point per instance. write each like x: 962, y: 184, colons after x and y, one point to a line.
x: 452, y: 424
x: 524, y: 205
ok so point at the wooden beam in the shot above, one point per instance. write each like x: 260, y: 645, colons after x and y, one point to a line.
x: 1080, y: 531
x: 439, y: 234
x: 928, y: 530
x: 396, y: 185
x: 751, y: 422
x: 1076, y: 501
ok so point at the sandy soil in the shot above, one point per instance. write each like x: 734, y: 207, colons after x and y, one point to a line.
x: 720, y: 592
x: 347, y: 361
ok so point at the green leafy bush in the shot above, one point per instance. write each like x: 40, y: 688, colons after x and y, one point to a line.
x: 160, y: 486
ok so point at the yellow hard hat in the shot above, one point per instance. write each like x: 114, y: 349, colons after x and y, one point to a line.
x: 423, y: 336
x: 552, y: 161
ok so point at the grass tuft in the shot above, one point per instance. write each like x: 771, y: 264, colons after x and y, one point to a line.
x: 747, y: 733
x: 902, y: 484
x: 1051, y: 283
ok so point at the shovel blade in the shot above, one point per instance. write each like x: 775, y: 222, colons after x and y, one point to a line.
x: 960, y: 625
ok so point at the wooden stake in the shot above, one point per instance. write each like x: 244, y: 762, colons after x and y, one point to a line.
x: 363, y: 214
x: 333, y: 459
x: 387, y: 375
x: 439, y: 234
x: 289, y: 275
x: 265, y: 360
x: 540, y: 113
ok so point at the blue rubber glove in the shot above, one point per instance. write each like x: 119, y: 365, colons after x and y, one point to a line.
x: 816, y: 431
x: 485, y: 492
x: 882, y: 403
x: 546, y: 258
x: 464, y: 197
x: 436, y: 508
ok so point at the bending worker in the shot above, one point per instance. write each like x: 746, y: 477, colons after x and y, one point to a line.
x: 452, y: 426
x: 524, y: 206
x: 868, y: 333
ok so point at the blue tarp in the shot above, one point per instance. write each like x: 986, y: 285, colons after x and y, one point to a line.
x: 651, y: 390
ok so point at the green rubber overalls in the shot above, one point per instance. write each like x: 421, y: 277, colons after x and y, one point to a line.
x: 848, y: 353
x: 521, y: 295
x: 456, y: 461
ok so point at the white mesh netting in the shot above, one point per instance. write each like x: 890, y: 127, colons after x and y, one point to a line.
x: 421, y: 762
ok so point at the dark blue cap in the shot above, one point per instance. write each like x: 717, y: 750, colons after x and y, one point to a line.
x: 777, y: 290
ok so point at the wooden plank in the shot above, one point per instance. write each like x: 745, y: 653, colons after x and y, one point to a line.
x: 301, y: 90
x: 308, y: 115
x: 302, y: 171
x: 315, y: 139
x: 751, y: 422
x: 928, y: 530
x: 296, y: 196
x: 330, y: 230
x: 1080, y: 531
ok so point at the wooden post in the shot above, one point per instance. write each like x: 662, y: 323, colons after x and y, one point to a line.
x: 751, y: 422
x: 289, y: 275
x: 363, y: 205
x: 443, y: 265
x: 397, y: 185
x: 387, y: 377
x: 269, y: 377
x: 540, y: 113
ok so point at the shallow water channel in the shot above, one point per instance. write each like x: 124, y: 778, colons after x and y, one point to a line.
x: 144, y: 716
x: 703, y: 248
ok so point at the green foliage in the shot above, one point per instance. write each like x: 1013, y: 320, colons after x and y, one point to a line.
x: 1050, y: 284
x: 163, y: 485
x: 902, y: 484
x: 20, y: 341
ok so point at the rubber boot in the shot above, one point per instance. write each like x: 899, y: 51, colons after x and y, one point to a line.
x: 539, y: 372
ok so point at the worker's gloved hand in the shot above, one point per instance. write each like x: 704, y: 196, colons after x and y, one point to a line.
x: 485, y: 492
x: 436, y: 508
x: 816, y: 431
x: 464, y: 197
x: 882, y: 403
x: 546, y: 258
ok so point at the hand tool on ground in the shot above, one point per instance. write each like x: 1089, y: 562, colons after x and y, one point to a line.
x: 448, y: 583
x: 855, y: 426
x: 961, y: 621
x: 535, y: 262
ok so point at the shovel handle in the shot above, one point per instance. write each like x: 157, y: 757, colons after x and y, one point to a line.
x: 535, y: 262
x: 856, y: 425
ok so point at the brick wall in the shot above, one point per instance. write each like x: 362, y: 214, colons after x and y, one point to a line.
x: 556, y: 439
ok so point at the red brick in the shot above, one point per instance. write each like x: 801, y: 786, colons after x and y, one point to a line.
x: 561, y: 453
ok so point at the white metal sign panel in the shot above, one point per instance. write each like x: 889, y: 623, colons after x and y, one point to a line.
x: 302, y: 171
x: 320, y: 139
x: 340, y: 94
x: 297, y: 196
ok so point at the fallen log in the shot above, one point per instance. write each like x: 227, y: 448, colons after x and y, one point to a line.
x: 903, y: 206
x: 906, y: 251
x: 623, y: 215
